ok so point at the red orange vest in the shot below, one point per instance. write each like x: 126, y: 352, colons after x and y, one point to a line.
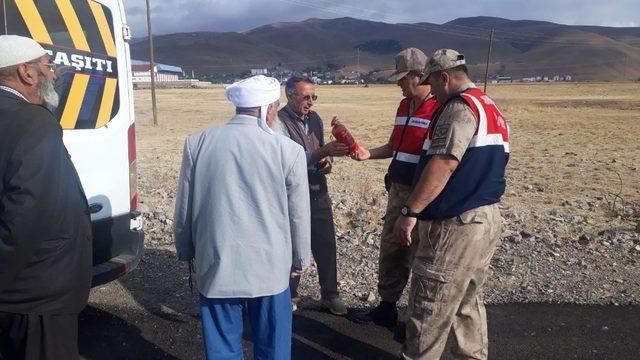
x: 407, y: 147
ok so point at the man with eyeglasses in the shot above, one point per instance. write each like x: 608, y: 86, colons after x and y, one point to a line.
x: 305, y: 127
x: 45, y: 229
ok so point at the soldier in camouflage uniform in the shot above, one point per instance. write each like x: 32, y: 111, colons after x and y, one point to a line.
x: 405, y: 144
x: 459, y: 183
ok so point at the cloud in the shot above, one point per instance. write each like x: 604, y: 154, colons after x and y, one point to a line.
x: 241, y: 15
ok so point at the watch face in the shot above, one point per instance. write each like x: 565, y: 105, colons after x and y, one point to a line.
x: 404, y: 211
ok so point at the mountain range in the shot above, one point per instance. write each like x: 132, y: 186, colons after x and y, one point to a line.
x: 521, y: 48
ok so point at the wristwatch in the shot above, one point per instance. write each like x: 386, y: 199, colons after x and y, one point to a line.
x: 406, y: 211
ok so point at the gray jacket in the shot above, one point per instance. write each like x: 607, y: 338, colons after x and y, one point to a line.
x: 242, y: 209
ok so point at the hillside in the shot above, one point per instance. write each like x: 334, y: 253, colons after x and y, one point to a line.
x: 522, y: 48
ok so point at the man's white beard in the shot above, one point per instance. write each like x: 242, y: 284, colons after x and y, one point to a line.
x: 47, y: 93
x: 278, y: 127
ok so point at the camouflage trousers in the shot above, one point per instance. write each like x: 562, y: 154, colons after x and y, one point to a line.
x: 449, y: 272
x: 394, y: 266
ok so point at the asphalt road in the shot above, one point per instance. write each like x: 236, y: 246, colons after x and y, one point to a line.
x: 151, y: 314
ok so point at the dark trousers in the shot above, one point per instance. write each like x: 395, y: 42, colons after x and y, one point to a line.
x: 323, y: 246
x: 38, y: 337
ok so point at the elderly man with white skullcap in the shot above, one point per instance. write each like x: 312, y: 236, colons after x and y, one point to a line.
x: 45, y: 229
x: 242, y: 212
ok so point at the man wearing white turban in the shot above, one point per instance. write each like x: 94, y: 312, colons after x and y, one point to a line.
x: 242, y: 212
x: 45, y: 229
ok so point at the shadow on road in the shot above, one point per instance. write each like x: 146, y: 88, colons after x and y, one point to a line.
x: 106, y: 336
x: 314, y: 339
x: 161, y: 286
x: 516, y: 331
x: 164, y: 324
x: 157, y: 299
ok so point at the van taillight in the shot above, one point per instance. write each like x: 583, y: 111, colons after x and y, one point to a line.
x: 133, y: 173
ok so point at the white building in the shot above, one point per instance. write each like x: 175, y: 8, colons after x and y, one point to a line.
x: 255, y: 72
x: 162, y: 73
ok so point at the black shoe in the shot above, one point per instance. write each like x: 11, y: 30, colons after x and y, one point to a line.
x: 400, y: 332
x: 385, y: 314
x: 335, y: 306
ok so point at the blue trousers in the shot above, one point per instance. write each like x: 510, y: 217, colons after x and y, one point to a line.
x: 270, y: 318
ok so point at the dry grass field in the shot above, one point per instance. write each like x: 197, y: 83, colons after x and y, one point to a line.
x: 571, y: 206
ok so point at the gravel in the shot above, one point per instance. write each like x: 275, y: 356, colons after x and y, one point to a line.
x: 559, y: 256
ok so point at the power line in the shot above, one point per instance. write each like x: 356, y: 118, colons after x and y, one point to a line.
x: 451, y: 30
x: 473, y: 28
x: 342, y: 5
x: 509, y: 36
x: 535, y: 37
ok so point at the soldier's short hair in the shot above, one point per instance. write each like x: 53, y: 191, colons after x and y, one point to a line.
x: 458, y: 70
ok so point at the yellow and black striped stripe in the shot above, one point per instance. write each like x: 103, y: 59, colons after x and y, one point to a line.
x: 89, y: 97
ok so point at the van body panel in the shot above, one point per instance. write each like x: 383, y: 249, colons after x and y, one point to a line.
x: 85, y: 38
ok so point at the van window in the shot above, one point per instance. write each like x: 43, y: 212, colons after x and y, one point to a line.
x: 79, y: 36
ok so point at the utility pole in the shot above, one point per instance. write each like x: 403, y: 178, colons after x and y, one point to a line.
x: 152, y: 66
x: 358, y: 66
x: 4, y: 16
x: 486, y: 73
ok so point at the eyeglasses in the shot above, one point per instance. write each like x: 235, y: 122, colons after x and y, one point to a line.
x: 310, y: 97
x: 52, y: 67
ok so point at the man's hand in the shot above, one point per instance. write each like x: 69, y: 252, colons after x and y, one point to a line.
x: 296, y: 273
x: 402, y: 229
x: 361, y: 155
x: 325, y: 165
x: 335, y: 148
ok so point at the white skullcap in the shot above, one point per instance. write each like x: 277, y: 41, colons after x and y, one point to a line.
x: 15, y: 50
x: 256, y: 91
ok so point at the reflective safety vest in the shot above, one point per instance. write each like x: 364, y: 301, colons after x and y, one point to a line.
x: 407, y: 147
x: 479, y: 179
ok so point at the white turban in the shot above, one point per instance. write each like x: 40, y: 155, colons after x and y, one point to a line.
x: 16, y: 50
x: 256, y: 91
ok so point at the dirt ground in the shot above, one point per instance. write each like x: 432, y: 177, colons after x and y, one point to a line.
x: 572, y: 200
x: 571, y: 210
x: 569, y: 141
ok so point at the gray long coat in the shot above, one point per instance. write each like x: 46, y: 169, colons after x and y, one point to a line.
x: 242, y: 209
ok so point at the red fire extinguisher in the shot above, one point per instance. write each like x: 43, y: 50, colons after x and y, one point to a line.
x: 342, y: 135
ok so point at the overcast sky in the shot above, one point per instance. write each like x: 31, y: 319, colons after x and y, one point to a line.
x: 171, y: 16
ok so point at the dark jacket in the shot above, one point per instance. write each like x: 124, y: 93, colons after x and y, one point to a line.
x: 311, y: 141
x: 45, y: 228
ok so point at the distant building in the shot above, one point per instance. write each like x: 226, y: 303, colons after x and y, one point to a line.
x: 162, y: 73
x: 255, y: 72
